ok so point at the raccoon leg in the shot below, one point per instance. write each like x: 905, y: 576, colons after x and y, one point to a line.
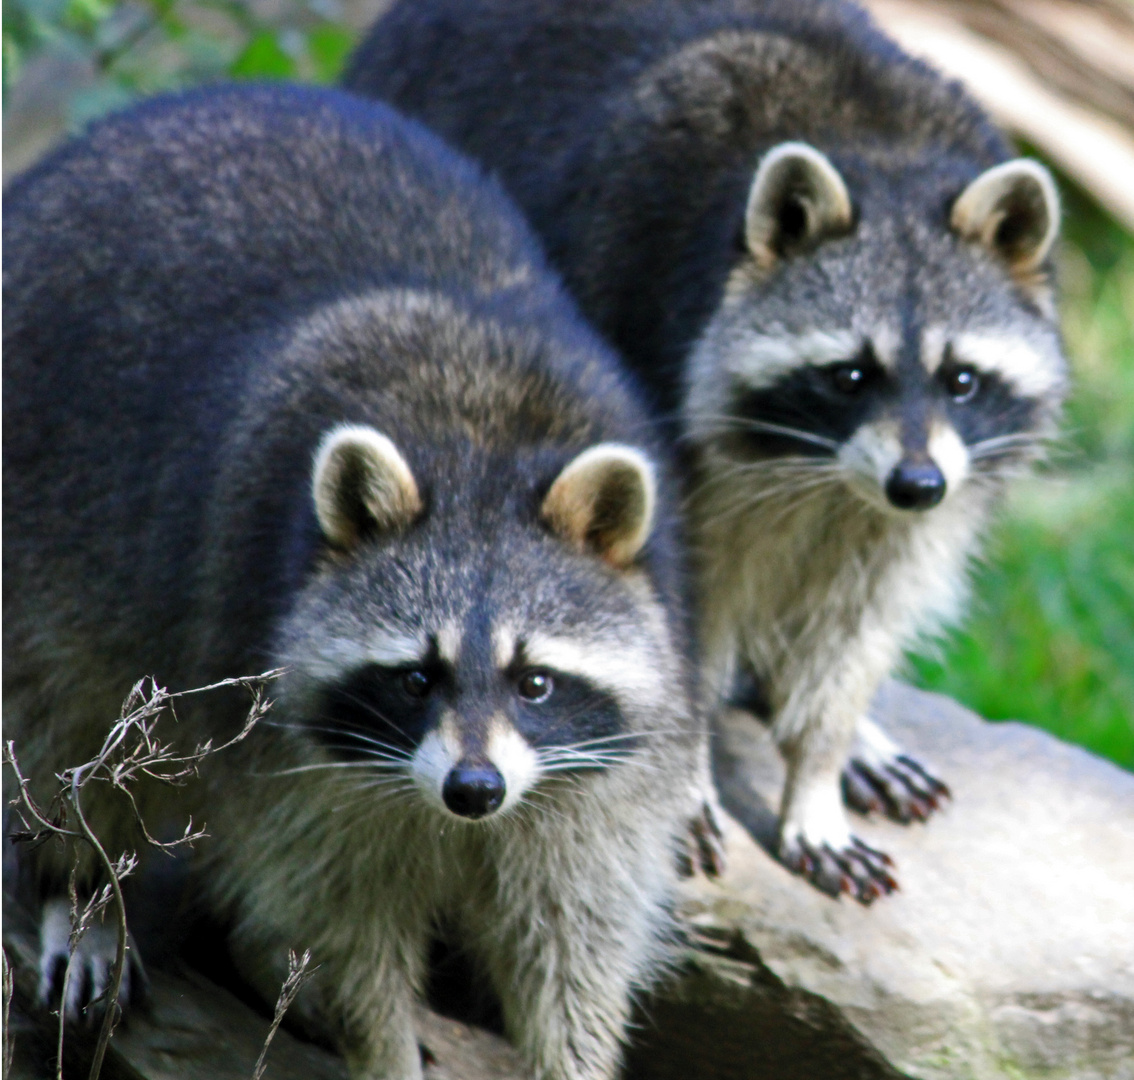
x: 376, y: 990
x: 879, y: 777
x: 814, y: 728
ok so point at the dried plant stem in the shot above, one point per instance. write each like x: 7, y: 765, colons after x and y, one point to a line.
x: 297, y: 975
x: 110, y: 1010
x: 120, y: 764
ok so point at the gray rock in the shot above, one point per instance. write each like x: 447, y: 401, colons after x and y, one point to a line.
x: 1007, y: 954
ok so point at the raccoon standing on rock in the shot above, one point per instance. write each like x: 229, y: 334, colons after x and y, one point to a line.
x: 823, y: 260
x: 287, y: 384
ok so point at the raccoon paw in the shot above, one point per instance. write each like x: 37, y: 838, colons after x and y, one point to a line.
x: 902, y: 788
x: 91, y: 966
x: 880, y: 778
x: 705, y: 845
x: 857, y: 868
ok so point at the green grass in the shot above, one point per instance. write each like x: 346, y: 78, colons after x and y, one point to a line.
x: 1051, y: 638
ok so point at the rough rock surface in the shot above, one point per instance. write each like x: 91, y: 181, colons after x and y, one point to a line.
x: 1008, y: 953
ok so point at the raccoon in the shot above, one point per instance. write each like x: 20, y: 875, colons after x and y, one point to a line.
x: 835, y: 279
x: 288, y: 384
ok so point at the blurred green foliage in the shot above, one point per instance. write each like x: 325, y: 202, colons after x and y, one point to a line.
x: 1051, y: 637
x: 138, y: 47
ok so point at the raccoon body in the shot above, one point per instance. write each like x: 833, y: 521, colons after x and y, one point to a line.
x: 835, y: 279
x: 288, y: 385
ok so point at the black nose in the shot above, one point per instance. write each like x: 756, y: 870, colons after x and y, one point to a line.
x: 473, y: 791
x: 915, y: 485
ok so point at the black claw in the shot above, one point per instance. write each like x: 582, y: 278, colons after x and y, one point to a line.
x: 706, y: 849
x: 903, y: 789
x: 857, y: 870
x: 937, y: 787
x: 710, y: 846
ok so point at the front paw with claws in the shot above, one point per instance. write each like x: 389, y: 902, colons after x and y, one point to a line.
x: 81, y: 991
x: 856, y: 868
x: 900, y: 787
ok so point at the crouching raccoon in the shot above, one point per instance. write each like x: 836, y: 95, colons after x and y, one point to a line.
x: 287, y: 385
x: 830, y: 271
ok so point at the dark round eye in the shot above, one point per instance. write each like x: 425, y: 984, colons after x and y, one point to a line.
x: 535, y: 686
x: 961, y: 382
x: 848, y: 379
x: 417, y: 683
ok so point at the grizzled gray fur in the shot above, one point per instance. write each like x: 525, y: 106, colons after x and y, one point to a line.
x: 287, y: 384
x: 824, y: 262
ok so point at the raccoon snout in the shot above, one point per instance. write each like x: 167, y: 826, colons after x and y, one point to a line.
x: 915, y: 485
x: 473, y: 790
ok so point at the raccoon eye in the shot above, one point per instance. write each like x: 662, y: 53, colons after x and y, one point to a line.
x: 417, y: 683
x: 962, y: 382
x: 848, y: 379
x: 535, y: 687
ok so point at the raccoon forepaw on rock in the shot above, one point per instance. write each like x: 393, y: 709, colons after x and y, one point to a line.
x: 704, y: 846
x: 857, y: 869
x: 902, y: 788
x: 82, y: 995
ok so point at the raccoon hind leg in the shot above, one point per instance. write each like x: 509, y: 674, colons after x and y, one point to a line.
x: 881, y: 778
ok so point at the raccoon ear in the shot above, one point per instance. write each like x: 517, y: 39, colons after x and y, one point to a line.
x: 361, y: 484
x: 603, y: 501
x: 797, y: 198
x: 1013, y: 210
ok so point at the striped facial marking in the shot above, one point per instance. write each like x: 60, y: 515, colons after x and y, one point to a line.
x: 517, y: 762
x: 385, y: 647
x: 948, y: 452
x: 435, y: 759
x: 475, y: 743
x: 617, y: 668
x: 1024, y: 369
x: 762, y: 360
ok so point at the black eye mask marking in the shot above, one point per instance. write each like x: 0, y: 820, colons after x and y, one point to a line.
x: 816, y: 408
x: 574, y: 713
x: 380, y: 710
x: 993, y: 409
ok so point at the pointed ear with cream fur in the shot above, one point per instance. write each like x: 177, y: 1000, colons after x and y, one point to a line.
x: 361, y: 485
x: 1012, y: 210
x: 603, y: 501
x: 797, y: 199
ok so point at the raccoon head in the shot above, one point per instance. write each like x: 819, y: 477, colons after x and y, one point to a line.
x: 889, y: 327
x: 463, y: 645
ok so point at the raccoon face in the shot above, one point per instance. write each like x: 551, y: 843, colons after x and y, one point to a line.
x: 453, y: 650
x: 883, y: 344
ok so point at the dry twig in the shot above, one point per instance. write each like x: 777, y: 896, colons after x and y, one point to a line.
x: 130, y: 751
x: 297, y: 975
